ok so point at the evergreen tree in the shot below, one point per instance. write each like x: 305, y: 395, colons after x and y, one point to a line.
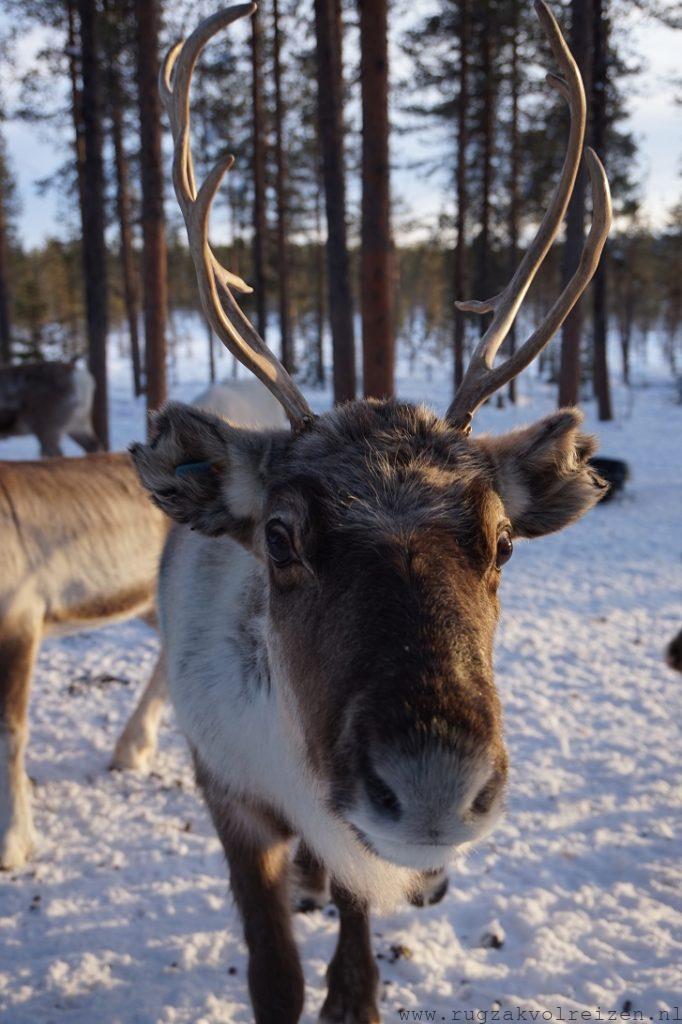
x: 153, y: 219
x: 8, y: 209
x: 376, y: 264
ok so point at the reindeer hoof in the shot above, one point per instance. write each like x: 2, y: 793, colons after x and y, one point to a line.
x: 348, y: 1012
x: 309, y: 886
x: 352, y: 986
x: 131, y: 756
x: 304, y: 898
x: 434, y: 885
x: 17, y: 843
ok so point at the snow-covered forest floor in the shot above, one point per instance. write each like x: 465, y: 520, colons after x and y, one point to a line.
x: 124, y: 916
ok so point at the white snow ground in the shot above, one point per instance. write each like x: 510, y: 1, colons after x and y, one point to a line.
x: 124, y: 917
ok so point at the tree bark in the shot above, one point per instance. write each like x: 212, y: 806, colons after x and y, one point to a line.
x: 259, y: 223
x: 153, y: 221
x: 73, y: 49
x: 514, y: 172
x: 571, y: 333
x: 282, y: 205
x: 319, y: 289
x: 376, y: 264
x: 599, y: 144
x: 488, y: 141
x: 330, y: 116
x: 92, y: 214
x: 126, y: 257
x: 459, y: 280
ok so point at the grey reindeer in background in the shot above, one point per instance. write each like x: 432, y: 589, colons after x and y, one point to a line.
x: 79, y: 548
x: 328, y: 602
x: 49, y: 400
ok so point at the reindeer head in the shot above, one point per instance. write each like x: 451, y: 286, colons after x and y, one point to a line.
x: 383, y: 530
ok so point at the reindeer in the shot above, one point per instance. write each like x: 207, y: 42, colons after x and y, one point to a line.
x: 328, y: 602
x: 79, y: 549
x: 673, y: 653
x: 48, y: 400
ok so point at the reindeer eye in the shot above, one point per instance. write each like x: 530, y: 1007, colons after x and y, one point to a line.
x: 278, y: 540
x: 504, y: 549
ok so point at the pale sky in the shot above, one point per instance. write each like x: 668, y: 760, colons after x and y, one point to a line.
x: 655, y: 120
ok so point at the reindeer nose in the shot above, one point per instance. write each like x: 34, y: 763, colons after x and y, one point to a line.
x: 431, y: 794
x: 488, y: 794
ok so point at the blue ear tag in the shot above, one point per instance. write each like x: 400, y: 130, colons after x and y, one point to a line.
x: 194, y: 469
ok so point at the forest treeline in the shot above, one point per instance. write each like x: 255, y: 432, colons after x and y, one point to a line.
x: 304, y: 96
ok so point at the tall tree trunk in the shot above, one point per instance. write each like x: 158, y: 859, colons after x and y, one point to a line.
x: 259, y: 223
x: 94, y: 248
x: 599, y: 144
x: 571, y: 333
x: 73, y: 50
x: 282, y: 205
x: 319, y: 288
x: 73, y: 56
x: 459, y: 280
x: 153, y: 222
x: 488, y: 130
x: 376, y: 265
x: 126, y: 256
x: 514, y: 171
x: 5, y: 327
x: 116, y: 102
x: 328, y: 31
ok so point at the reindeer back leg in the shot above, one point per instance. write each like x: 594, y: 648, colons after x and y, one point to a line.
x: 18, y: 648
x: 85, y: 439
x: 49, y: 439
x: 137, y: 743
x: 310, y: 885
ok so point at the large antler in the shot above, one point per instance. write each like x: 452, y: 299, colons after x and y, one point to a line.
x: 226, y: 318
x: 482, y: 378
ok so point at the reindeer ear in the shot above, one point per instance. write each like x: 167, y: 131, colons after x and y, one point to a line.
x: 543, y: 475
x: 202, y: 471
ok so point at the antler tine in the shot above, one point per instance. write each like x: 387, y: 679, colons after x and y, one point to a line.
x: 480, y: 379
x: 498, y: 376
x: 222, y: 311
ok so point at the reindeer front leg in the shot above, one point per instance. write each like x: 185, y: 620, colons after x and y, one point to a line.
x: 352, y: 976
x: 257, y: 851
x: 18, y: 647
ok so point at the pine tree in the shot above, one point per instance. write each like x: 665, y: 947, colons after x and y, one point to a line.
x: 328, y: 33
x: 7, y: 210
x: 459, y: 281
x: 376, y: 270
x: 118, y: 37
x: 281, y: 188
x: 94, y: 247
x: 258, y: 167
x: 153, y: 221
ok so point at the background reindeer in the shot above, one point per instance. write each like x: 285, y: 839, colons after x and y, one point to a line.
x: 48, y: 400
x: 328, y: 622
x: 673, y: 653
x: 79, y: 548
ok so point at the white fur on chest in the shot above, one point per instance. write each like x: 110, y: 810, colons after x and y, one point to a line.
x: 244, y: 730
